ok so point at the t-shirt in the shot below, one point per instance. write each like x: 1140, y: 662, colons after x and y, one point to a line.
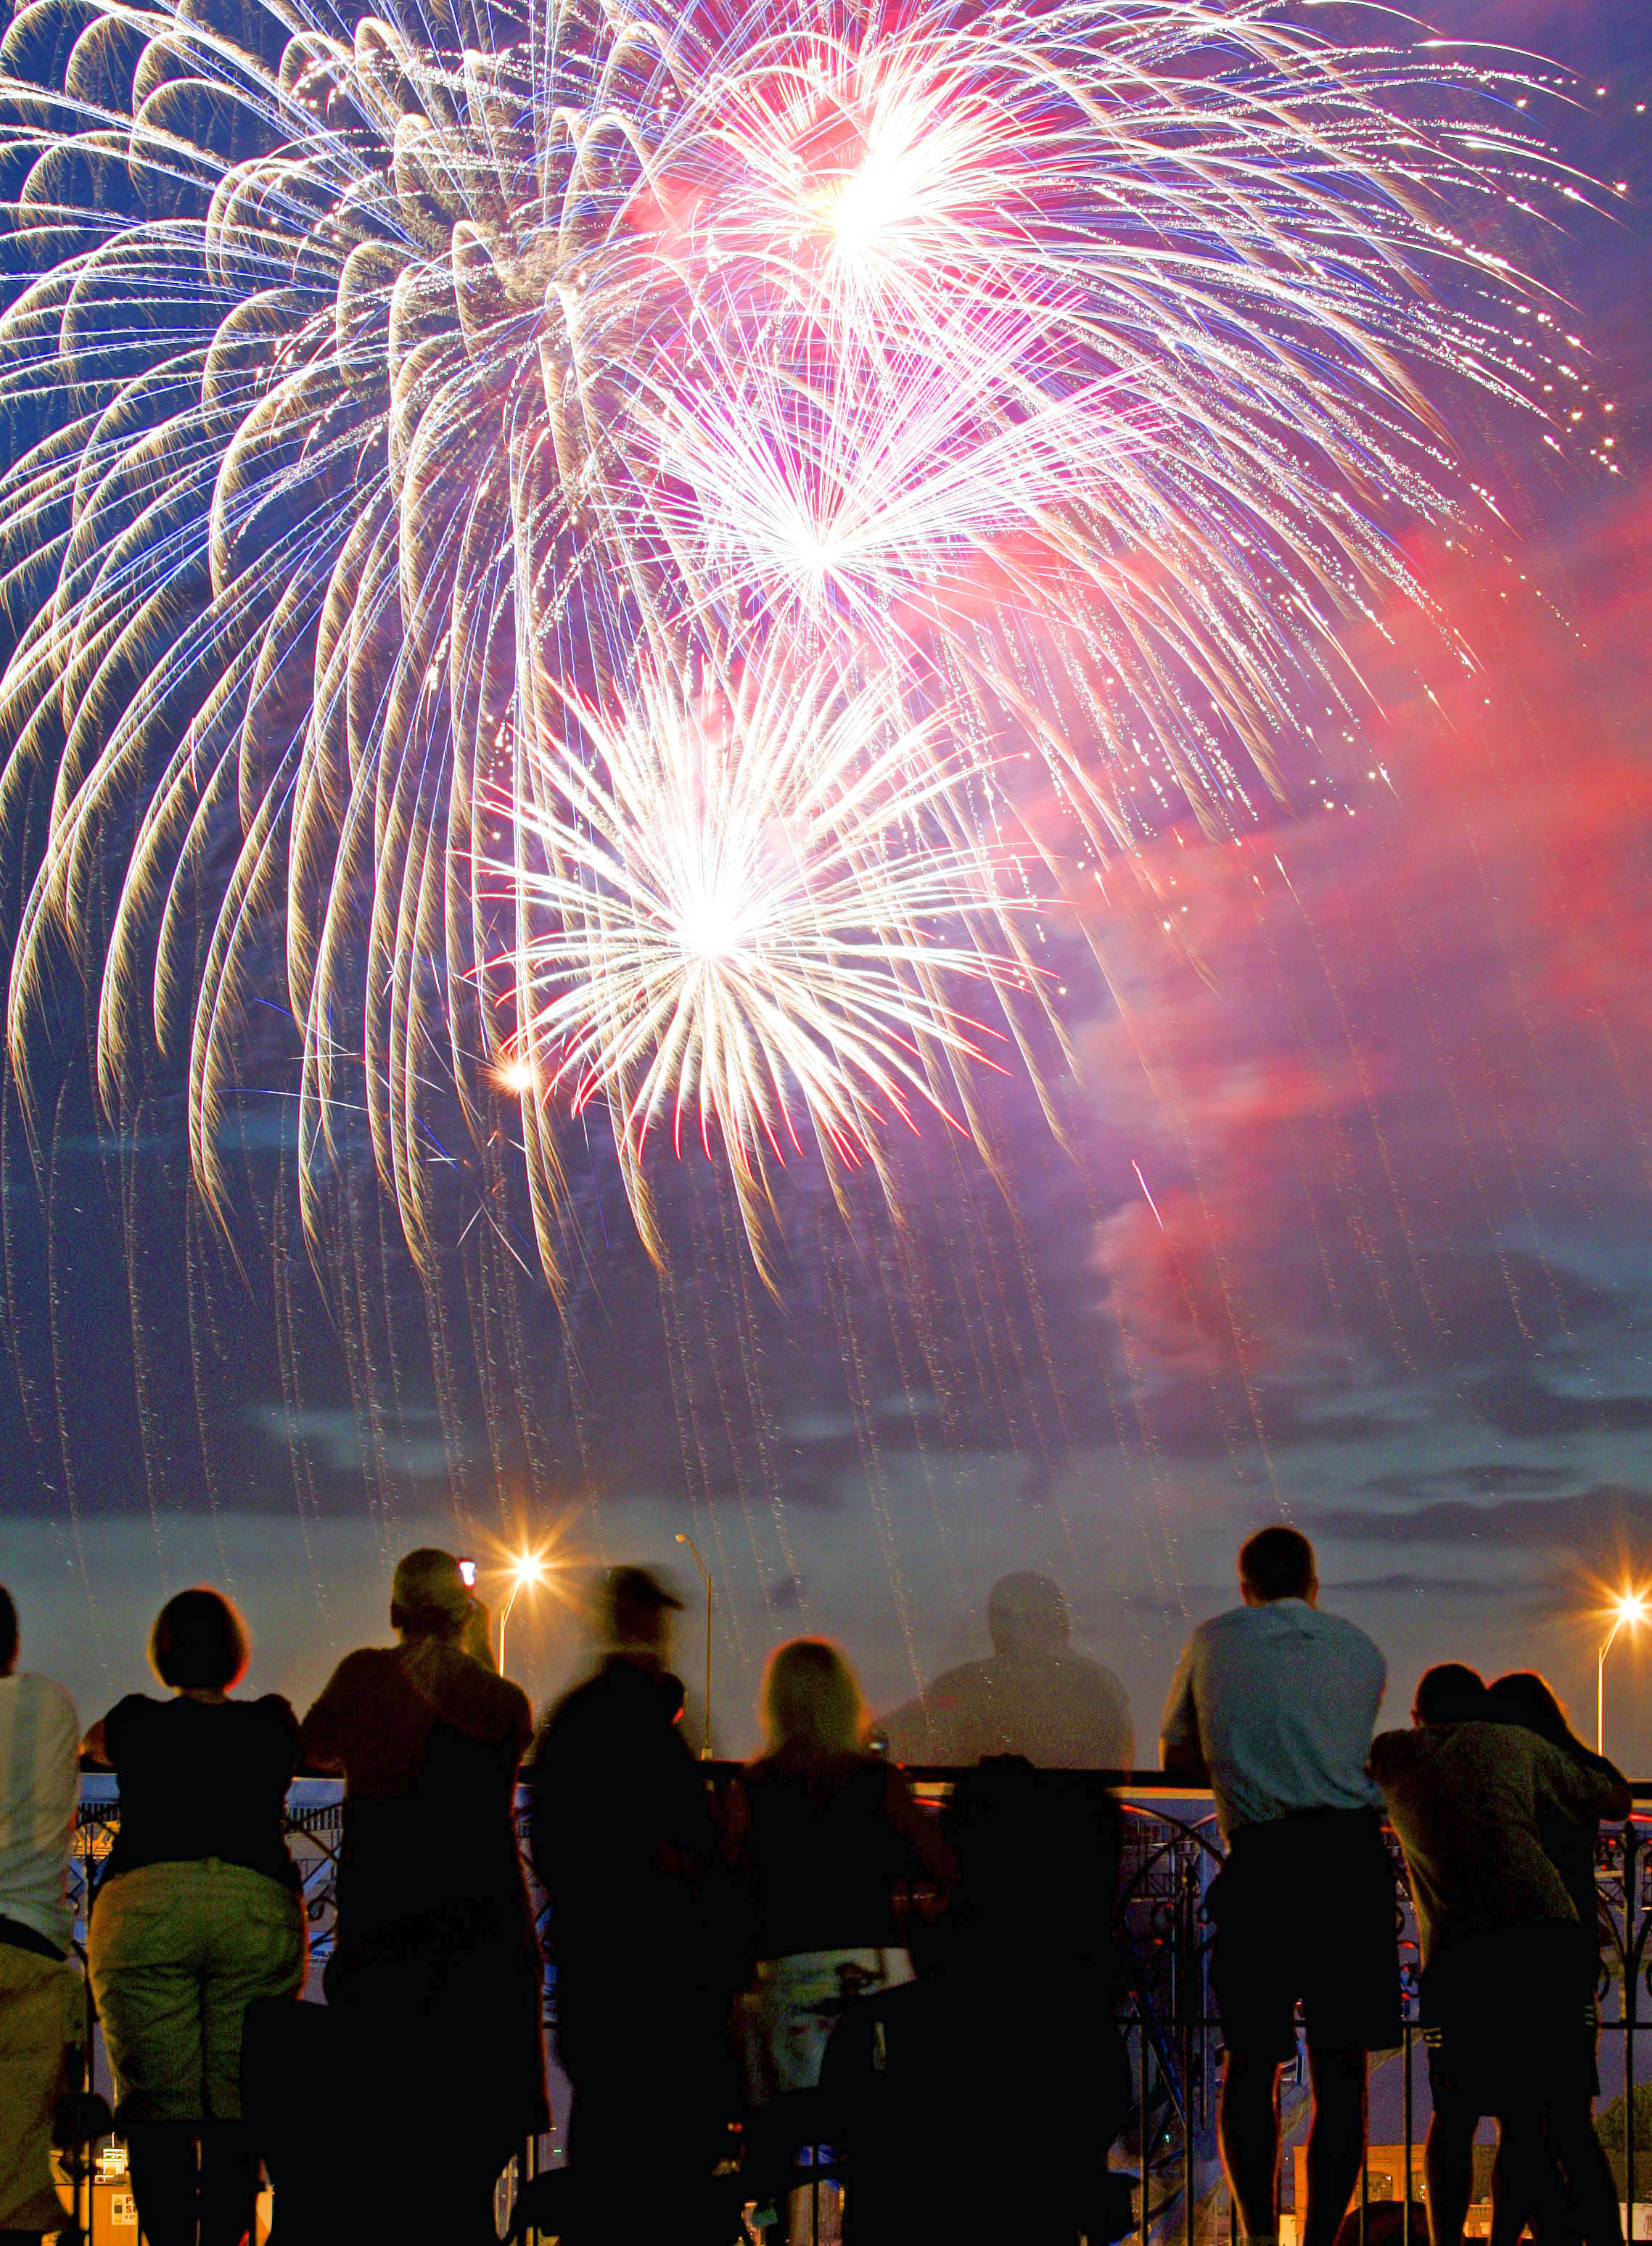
x: 1467, y: 1802
x: 428, y: 1739
x: 202, y: 1778
x: 827, y: 1845
x: 39, y: 1788
x: 1280, y: 1701
x: 1059, y: 1709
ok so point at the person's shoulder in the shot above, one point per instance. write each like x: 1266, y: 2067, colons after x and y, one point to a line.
x: 43, y: 1696
x: 570, y: 1716
x: 1395, y: 1751
x: 1094, y: 1677
x: 1548, y: 1761
x: 1348, y: 1637
x: 276, y: 1710
x: 1231, y: 1624
x: 136, y: 1708
x: 130, y: 1718
x: 362, y: 1668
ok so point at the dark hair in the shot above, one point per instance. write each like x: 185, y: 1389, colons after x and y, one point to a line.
x: 1529, y: 1700
x: 1277, y: 1564
x: 199, y: 1642
x: 1451, y: 1693
x: 8, y: 1632
x: 633, y: 1604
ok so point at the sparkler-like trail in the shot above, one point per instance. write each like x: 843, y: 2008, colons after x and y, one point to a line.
x: 530, y: 537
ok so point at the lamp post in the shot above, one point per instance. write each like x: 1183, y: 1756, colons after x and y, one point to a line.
x: 528, y: 1568
x: 1630, y: 1608
x: 705, y: 1578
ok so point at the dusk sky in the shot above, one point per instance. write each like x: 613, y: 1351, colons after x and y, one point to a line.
x: 1356, y: 1228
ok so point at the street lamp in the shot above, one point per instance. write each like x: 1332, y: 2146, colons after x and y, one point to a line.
x: 527, y: 1568
x: 1631, y: 1608
x: 705, y: 1578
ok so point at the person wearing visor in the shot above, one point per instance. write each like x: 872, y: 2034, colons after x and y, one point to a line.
x: 641, y: 1930
x: 436, y: 1978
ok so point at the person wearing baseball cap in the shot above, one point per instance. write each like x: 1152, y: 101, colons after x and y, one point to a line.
x: 624, y: 1844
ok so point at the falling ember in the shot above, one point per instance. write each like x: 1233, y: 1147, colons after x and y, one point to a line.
x: 1151, y: 1203
x: 407, y: 432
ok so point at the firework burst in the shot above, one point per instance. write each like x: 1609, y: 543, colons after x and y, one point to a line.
x: 730, y: 904
x: 399, y: 416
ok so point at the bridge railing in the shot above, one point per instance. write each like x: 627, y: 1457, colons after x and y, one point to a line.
x: 1170, y: 1851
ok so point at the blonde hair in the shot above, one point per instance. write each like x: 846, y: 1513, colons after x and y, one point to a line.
x: 811, y: 1699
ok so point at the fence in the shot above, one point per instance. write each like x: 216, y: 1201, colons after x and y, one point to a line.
x: 1171, y: 1850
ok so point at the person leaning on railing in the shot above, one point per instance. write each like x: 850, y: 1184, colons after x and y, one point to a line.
x: 827, y: 1833
x: 197, y: 1916
x: 1502, y: 1997
x: 435, y: 1980
x: 1524, y: 1698
x: 1273, y: 1705
x: 39, y: 1990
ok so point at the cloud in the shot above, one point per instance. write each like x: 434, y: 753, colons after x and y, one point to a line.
x: 1417, y: 1587
x: 1493, y: 1477
x: 1516, y: 1402
x: 334, y: 1439
x: 1588, y: 1519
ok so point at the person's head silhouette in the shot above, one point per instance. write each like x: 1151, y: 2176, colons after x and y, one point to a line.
x: 1027, y: 1614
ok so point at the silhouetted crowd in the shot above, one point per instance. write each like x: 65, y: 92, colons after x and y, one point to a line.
x: 801, y: 1972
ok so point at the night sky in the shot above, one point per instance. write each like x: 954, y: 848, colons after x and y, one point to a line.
x: 1356, y: 1228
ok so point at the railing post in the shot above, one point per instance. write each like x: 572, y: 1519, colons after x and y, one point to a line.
x: 1141, y: 2130
x: 1189, y: 1987
x: 1632, y: 1933
x: 1406, y: 2214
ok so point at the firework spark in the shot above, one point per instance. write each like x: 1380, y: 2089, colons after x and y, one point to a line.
x: 734, y: 901
x: 397, y: 418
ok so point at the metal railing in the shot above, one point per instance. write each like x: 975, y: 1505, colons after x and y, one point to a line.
x: 1171, y: 1850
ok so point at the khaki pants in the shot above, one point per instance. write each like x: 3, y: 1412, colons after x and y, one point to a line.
x: 40, y: 2012
x: 177, y: 1953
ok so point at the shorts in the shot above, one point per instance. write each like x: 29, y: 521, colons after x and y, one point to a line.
x: 41, y: 2010
x: 177, y: 1953
x: 1508, y: 2019
x: 788, y: 2018
x: 1305, y: 1913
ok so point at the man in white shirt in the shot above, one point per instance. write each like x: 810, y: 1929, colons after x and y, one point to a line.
x: 39, y: 1990
x: 1273, y: 1707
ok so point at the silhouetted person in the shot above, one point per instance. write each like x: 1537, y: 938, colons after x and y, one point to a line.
x: 197, y: 1916
x: 979, y: 2101
x: 1525, y: 1698
x: 828, y: 1834
x: 1502, y: 2001
x: 625, y: 1847
x: 436, y: 1980
x: 1273, y: 1705
x: 1033, y: 1696
x: 40, y: 1993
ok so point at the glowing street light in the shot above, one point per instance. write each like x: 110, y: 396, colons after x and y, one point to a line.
x: 1631, y: 1608
x: 705, y: 1578
x: 527, y: 1568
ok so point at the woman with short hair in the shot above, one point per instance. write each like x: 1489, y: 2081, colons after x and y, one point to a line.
x: 829, y: 1834
x: 197, y: 1913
